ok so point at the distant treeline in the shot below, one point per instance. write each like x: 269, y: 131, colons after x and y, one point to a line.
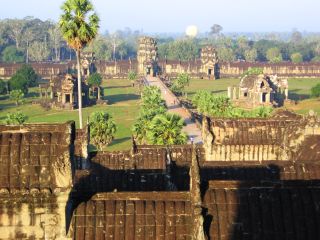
x: 31, y: 39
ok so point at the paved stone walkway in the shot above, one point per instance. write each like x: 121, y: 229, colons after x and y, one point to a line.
x: 173, y: 107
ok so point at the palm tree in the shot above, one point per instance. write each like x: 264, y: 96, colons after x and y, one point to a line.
x: 166, y: 129
x: 79, y: 26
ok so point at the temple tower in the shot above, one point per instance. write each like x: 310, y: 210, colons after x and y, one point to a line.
x: 209, y: 62
x: 147, y: 56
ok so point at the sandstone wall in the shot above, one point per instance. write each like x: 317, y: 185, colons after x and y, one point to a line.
x: 120, y: 69
x: 285, y: 69
x: 259, y: 139
x: 35, y: 180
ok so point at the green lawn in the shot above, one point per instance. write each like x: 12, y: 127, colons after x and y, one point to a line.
x: 299, y: 89
x: 123, y: 105
x: 219, y: 86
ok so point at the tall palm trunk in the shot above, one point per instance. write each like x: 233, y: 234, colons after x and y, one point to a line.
x: 79, y: 89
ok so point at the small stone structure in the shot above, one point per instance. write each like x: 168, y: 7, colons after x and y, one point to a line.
x: 209, y: 62
x: 259, y: 90
x: 87, y: 64
x: 63, y: 91
x: 147, y: 56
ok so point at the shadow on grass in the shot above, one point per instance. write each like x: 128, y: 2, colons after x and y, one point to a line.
x: 115, y: 87
x: 213, y: 92
x: 7, y: 105
x: 4, y: 97
x: 112, y: 99
x: 118, y: 141
x: 293, y: 95
x: 32, y: 95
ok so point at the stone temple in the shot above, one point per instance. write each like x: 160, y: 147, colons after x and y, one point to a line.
x: 251, y: 179
x: 259, y: 90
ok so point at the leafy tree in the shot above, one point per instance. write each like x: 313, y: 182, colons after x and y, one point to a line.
x: 17, y: 96
x: 132, y: 76
x: 251, y: 55
x: 180, y: 83
x: 220, y: 106
x: 262, y: 47
x: 38, y: 51
x: 166, y: 129
x: 151, y: 106
x: 181, y: 49
x: 296, y: 57
x: 79, y: 26
x: 3, y: 87
x: 315, y: 91
x: 15, y: 30
x: 17, y: 118
x: 101, y: 48
x: 226, y: 54
x: 151, y: 98
x: 296, y: 36
x: 55, y: 41
x: 216, y: 29
x: 94, y: 81
x: 274, y: 55
x: 102, y: 129
x: 25, y: 77
x: 12, y: 54
x: 316, y: 59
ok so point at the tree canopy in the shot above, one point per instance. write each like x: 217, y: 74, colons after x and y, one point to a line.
x: 154, y: 125
x: 12, y: 54
x: 315, y: 91
x: 79, y: 23
x: 17, y: 118
x: 166, y: 129
x: 24, y: 78
x: 95, y: 80
x: 102, y: 129
x: 220, y: 106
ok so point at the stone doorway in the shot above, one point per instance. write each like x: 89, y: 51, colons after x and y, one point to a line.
x: 68, y: 98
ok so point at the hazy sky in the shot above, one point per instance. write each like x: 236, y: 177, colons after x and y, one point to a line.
x: 176, y: 15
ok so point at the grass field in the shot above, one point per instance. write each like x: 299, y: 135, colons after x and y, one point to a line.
x: 299, y: 89
x: 123, y: 105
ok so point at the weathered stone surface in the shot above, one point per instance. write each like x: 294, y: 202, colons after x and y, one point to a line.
x: 281, y: 137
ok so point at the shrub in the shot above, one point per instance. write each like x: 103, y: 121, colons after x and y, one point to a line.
x: 17, y: 118
x: 17, y: 96
x: 3, y: 87
x: 166, y: 129
x: 315, y: 91
x: 102, y: 129
x: 24, y: 78
x: 296, y: 57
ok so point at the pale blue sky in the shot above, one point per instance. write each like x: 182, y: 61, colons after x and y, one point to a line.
x: 176, y: 15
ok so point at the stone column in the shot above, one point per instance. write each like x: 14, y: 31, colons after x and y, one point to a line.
x: 230, y: 93
x: 286, y: 93
x: 196, y: 201
x: 268, y: 98
x: 234, y: 95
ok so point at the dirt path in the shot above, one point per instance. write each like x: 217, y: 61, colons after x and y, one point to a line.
x: 173, y: 107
